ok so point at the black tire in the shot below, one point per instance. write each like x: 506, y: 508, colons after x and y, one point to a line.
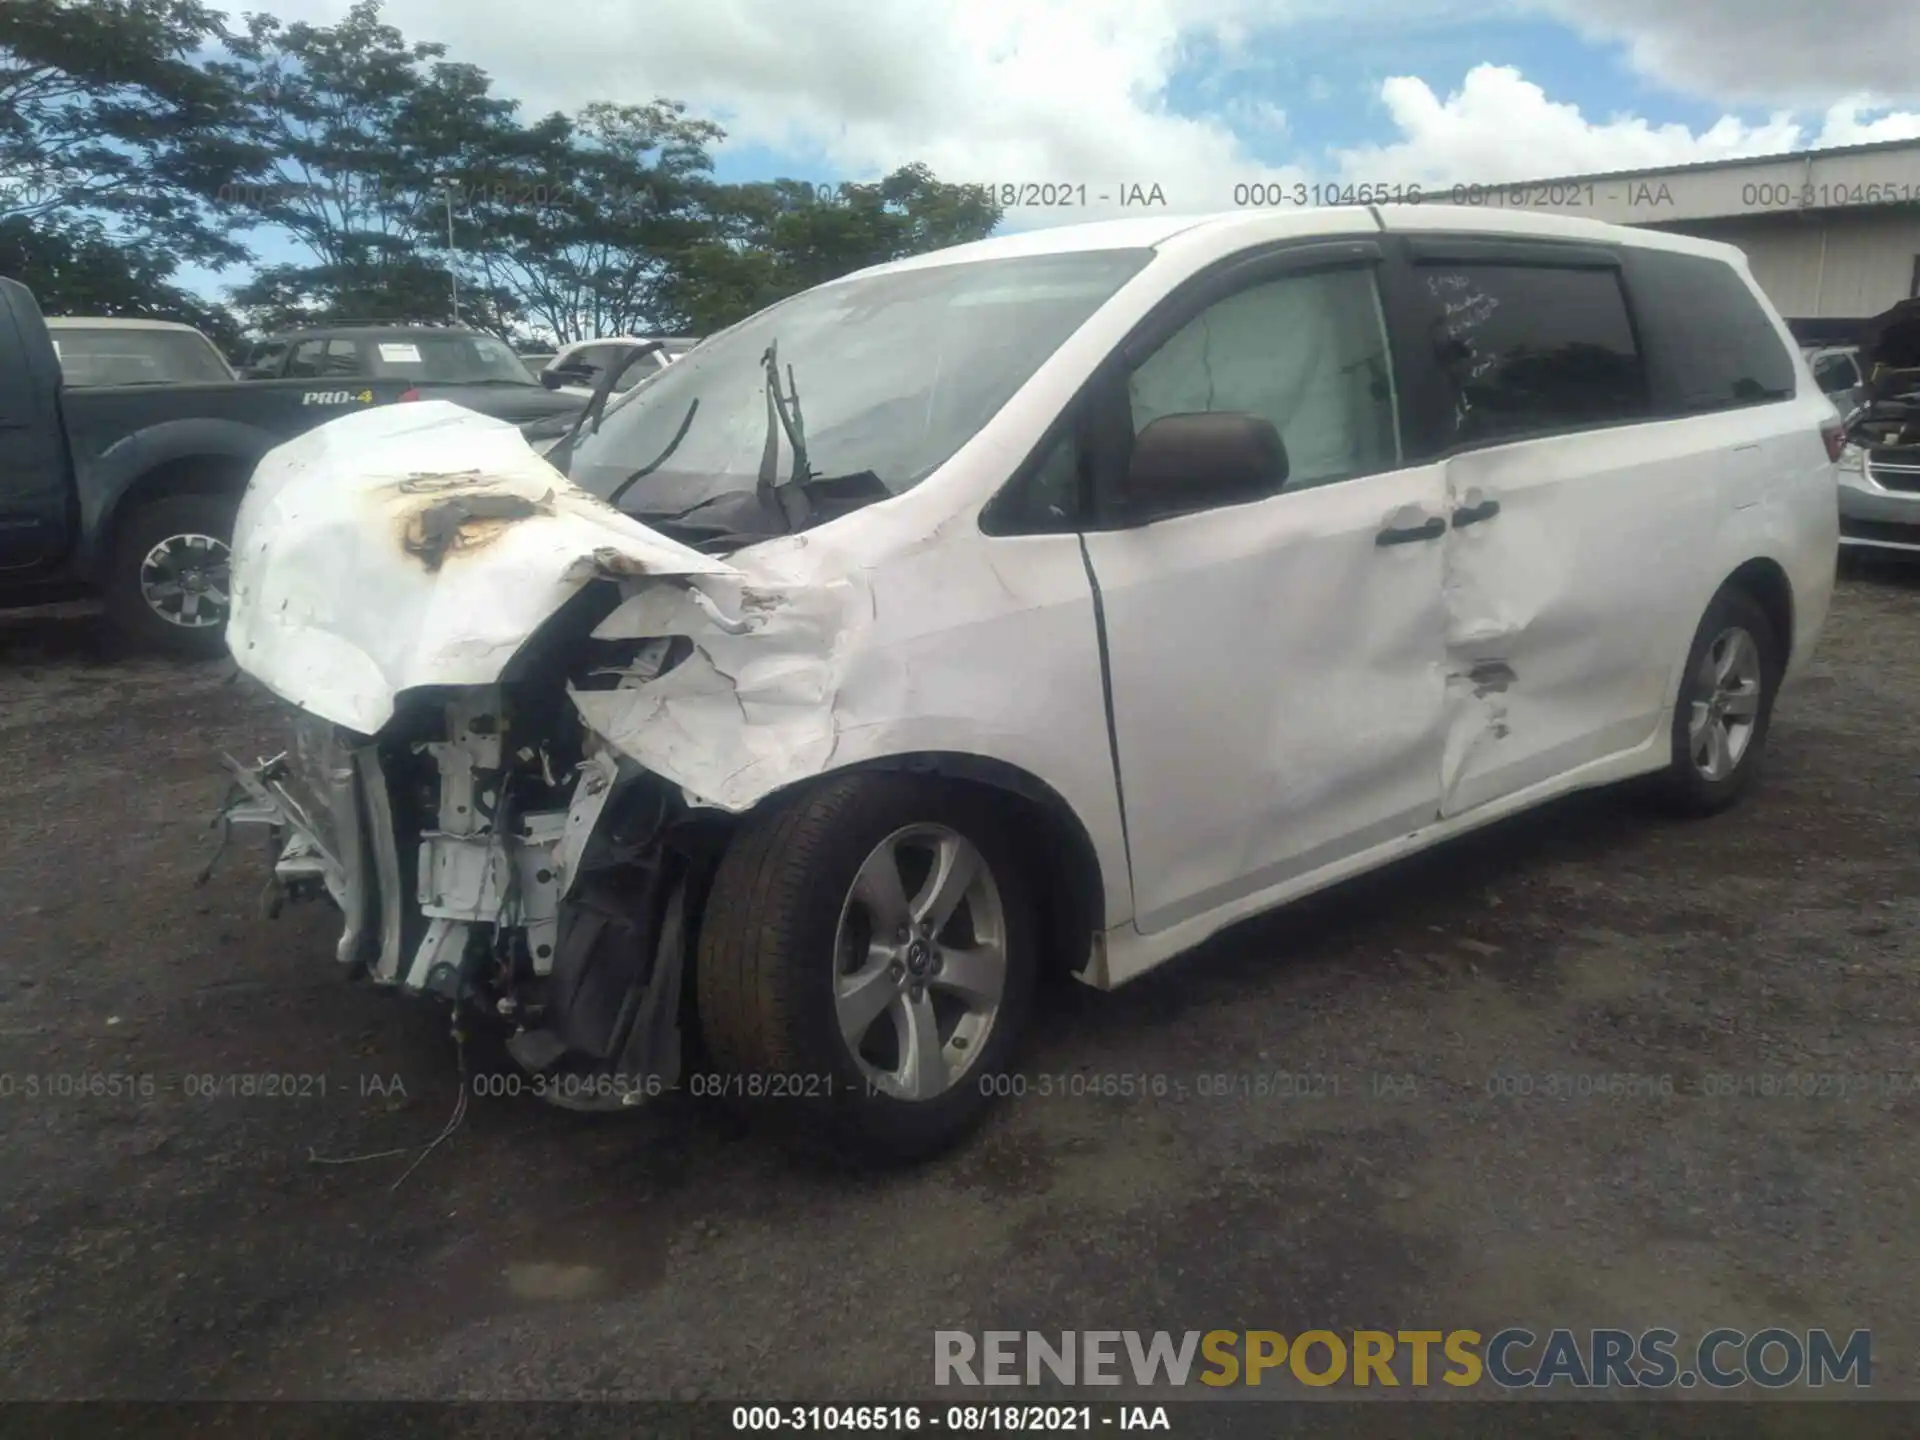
x: 1684, y: 788
x: 766, y: 966
x: 136, y: 536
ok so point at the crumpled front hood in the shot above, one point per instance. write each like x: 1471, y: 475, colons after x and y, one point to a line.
x: 415, y: 545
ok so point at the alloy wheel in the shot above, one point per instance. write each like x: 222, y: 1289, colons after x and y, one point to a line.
x: 185, y: 580
x: 1725, y: 704
x: 920, y: 961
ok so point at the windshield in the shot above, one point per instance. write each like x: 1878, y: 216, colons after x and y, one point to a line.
x: 114, y: 356
x: 893, y: 374
x: 433, y: 358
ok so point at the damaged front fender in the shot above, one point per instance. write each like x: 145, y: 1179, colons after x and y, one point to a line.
x: 760, y: 699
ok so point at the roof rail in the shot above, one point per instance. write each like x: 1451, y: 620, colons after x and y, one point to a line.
x: 388, y: 323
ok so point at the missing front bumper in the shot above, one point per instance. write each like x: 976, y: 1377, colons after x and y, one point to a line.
x: 315, y: 799
x: 572, y: 939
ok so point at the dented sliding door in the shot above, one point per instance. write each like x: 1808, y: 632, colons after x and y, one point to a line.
x: 1572, y: 519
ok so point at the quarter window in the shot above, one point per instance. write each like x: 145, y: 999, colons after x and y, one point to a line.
x: 1710, y: 345
x: 1529, y: 350
x: 1307, y: 352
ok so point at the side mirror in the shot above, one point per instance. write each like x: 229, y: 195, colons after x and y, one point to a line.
x: 1183, y: 463
x: 554, y: 379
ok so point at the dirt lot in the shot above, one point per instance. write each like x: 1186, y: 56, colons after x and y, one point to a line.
x: 191, y: 1244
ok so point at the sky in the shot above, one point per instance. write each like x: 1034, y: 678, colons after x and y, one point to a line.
x: 1201, y: 97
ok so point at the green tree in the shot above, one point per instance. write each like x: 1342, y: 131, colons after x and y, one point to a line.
x: 773, y: 239
x: 285, y: 297
x: 370, y: 135
x: 79, y: 270
x: 109, y: 128
x: 592, y: 213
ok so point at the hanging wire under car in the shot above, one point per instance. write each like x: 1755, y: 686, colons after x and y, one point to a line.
x: 446, y: 1131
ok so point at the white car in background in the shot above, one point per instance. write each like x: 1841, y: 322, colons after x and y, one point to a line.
x: 575, y: 369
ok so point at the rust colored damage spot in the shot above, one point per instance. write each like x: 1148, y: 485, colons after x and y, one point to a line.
x: 611, y: 562
x: 458, y: 523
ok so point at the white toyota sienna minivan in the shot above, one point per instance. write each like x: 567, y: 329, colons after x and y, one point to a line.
x: 1054, y: 600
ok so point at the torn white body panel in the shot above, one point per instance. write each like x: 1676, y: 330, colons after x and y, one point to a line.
x: 973, y: 647
x: 414, y: 545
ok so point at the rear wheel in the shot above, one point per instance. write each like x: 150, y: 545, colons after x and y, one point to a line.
x: 1724, y: 708
x: 866, y: 964
x: 169, y: 588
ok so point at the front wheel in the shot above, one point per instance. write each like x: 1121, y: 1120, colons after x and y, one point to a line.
x: 1724, y: 708
x: 866, y: 964
x: 169, y: 587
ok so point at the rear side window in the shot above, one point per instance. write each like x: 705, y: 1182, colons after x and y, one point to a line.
x: 1532, y: 349
x: 1710, y: 345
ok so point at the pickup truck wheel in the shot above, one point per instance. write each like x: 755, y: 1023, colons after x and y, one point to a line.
x: 866, y: 965
x: 169, y: 586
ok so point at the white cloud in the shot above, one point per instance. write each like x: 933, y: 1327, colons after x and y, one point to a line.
x: 1789, y: 52
x: 1074, y: 91
x: 985, y: 91
x: 1500, y: 126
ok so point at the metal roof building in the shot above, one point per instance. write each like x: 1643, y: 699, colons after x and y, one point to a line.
x: 1833, y: 236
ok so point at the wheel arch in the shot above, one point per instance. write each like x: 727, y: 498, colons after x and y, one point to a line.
x: 1072, y: 888
x: 194, y: 474
x: 1765, y: 580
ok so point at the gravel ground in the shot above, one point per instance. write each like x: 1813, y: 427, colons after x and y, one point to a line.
x: 176, y: 1243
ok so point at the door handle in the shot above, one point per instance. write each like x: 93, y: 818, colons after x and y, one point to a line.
x: 1473, y: 514
x: 1432, y: 528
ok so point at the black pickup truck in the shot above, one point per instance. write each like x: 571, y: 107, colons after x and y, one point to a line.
x: 129, y: 491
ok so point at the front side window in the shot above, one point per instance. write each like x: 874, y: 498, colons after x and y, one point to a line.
x: 1307, y: 352
x: 893, y: 373
x: 1533, y: 349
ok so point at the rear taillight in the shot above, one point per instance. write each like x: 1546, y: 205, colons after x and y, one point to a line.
x: 410, y: 393
x: 1833, y: 432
